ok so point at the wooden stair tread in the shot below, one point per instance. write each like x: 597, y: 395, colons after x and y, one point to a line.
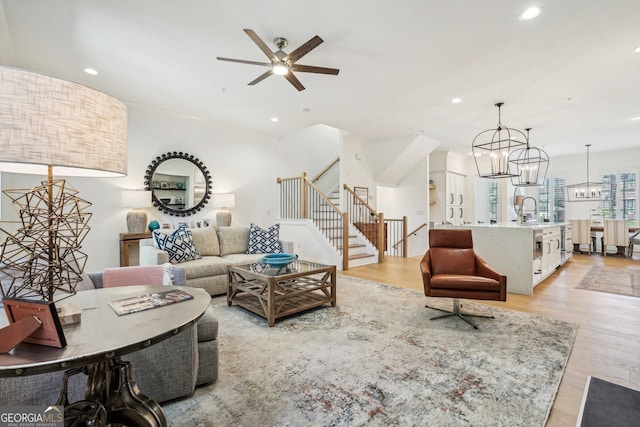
x: 359, y: 256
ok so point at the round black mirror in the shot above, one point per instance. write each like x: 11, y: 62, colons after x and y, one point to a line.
x: 180, y: 184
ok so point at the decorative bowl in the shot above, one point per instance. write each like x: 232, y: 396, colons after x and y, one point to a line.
x: 279, y: 260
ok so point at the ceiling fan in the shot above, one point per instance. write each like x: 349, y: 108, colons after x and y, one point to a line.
x: 282, y: 63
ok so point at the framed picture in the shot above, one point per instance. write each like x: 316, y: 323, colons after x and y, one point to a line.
x: 156, y: 184
x: 363, y: 193
x: 164, y: 184
x: 206, y: 222
x: 49, y: 333
x: 173, y: 184
x: 182, y: 223
x: 166, y: 225
x: 179, y: 200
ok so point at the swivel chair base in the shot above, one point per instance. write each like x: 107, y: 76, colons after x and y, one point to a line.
x: 456, y: 312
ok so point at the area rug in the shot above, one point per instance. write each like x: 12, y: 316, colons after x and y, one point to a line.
x: 622, y: 281
x: 609, y: 404
x: 376, y: 359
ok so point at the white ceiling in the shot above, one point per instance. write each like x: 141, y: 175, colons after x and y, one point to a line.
x: 569, y: 74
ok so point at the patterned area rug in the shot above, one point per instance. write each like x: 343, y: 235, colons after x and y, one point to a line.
x: 375, y: 359
x: 622, y: 281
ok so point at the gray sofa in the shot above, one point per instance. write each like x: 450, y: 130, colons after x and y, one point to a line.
x: 219, y: 247
x: 168, y: 370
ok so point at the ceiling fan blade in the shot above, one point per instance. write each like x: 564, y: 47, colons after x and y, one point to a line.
x: 263, y: 47
x: 304, y: 49
x: 261, y: 77
x: 242, y: 61
x: 294, y: 81
x: 312, y: 69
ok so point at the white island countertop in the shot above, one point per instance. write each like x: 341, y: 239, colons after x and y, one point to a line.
x: 532, y: 226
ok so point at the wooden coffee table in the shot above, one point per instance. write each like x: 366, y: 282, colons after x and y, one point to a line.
x: 274, y: 293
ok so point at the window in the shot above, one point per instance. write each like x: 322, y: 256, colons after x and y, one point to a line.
x: 620, y: 196
x: 493, y: 200
x: 544, y: 202
x: 558, y: 199
x: 609, y: 196
x: 628, y: 197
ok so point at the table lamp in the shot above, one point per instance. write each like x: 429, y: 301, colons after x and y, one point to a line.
x: 224, y: 202
x: 136, y: 218
x: 48, y: 126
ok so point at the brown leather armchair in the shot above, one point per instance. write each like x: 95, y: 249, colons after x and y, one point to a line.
x: 452, y: 269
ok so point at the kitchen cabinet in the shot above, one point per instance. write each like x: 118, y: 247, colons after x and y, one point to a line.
x: 551, y: 253
x: 450, y: 198
x: 447, y: 173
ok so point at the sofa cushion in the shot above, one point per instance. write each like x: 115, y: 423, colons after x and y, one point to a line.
x: 207, y: 326
x: 236, y: 259
x: 233, y: 240
x: 205, y: 267
x: 206, y: 241
x: 179, y: 245
x: 263, y: 241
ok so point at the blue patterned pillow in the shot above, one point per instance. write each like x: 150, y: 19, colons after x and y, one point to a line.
x: 263, y: 241
x: 178, y: 244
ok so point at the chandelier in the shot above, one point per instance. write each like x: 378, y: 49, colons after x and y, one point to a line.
x: 530, y: 164
x: 492, y: 148
x: 586, y: 191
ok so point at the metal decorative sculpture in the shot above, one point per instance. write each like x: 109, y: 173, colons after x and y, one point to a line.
x: 43, y: 256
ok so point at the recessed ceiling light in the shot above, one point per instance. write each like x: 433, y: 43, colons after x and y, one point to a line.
x: 530, y: 13
x: 636, y: 50
x: 274, y: 119
x: 91, y: 71
x: 456, y: 100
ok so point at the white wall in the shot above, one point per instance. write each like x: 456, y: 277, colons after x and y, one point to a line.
x: 356, y: 169
x: 239, y: 162
x: 411, y: 199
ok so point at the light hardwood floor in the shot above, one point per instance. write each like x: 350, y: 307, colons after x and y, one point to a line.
x: 608, y: 341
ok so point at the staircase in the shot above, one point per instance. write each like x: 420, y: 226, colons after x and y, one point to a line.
x: 326, y: 218
x: 357, y: 250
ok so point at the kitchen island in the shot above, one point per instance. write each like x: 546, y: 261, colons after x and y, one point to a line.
x: 526, y: 254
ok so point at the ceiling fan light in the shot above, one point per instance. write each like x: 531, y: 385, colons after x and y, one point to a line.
x: 280, y: 69
x: 530, y: 13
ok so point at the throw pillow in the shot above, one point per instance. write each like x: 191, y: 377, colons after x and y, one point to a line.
x: 263, y: 241
x: 206, y: 240
x: 233, y: 240
x: 179, y: 245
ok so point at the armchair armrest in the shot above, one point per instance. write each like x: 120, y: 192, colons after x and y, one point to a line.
x: 484, y: 270
x: 425, y: 268
x: 150, y: 255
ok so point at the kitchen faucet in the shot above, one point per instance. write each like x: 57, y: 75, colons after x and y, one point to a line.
x: 521, y: 212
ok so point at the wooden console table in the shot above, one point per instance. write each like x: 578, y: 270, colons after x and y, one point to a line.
x: 127, y: 240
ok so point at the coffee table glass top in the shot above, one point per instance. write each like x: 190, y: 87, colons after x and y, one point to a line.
x: 296, y: 267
